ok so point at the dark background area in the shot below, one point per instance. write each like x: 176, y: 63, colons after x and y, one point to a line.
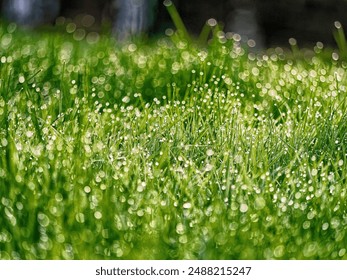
x: 272, y: 22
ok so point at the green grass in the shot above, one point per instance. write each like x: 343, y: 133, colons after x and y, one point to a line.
x: 166, y: 150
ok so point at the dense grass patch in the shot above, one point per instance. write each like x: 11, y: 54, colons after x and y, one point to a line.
x: 166, y: 150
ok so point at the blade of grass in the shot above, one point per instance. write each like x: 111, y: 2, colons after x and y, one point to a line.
x: 177, y: 20
x: 340, y: 39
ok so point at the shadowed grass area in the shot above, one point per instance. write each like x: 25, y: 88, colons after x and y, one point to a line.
x: 167, y: 150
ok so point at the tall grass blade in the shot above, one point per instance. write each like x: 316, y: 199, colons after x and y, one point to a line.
x: 340, y: 39
x: 177, y: 20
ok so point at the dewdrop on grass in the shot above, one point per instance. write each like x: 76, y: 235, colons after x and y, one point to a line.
x: 180, y: 228
x: 126, y: 99
x: 187, y: 205
x: 208, y: 167
x: 243, y: 208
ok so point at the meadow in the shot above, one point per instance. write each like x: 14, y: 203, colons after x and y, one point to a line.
x: 170, y: 149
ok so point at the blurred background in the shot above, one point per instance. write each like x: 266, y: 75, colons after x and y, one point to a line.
x: 268, y: 22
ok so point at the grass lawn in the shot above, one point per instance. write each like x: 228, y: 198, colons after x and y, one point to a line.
x: 169, y: 150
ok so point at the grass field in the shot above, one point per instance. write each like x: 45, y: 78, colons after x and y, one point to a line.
x: 169, y: 150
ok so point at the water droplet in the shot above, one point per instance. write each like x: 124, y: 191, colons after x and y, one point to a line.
x: 306, y: 225
x: 311, y: 215
x: 238, y: 159
x: 338, y: 24
x: 187, y: 205
x: 126, y: 99
x: 210, y: 152
x: 279, y: 251
x: 60, y: 238
x: 29, y: 134
x: 98, y: 215
x: 163, y: 203
x: 335, y: 222
x: 243, y: 208
x: 292, y: 41
x: 80, y: 218
x: 141, y: 187
x: 180, y: 228
x: 4, y: 142
x: 132, y: 48
x: 140, y: 213
x: 259, y: 203
x: 119, y: 252
x: 208, y: 167
x: 342, y: 252
x: 167, y: 3
x: 43, y: 219
x: 310, y: 249
x: 70, y: 27
x: 183, y: 239
x: 212, y: 22
x: 153, y: 224
x: 335, y: 56
x: 314, y: 172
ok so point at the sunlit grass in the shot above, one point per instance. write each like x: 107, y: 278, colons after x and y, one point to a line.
x: 165, y: 150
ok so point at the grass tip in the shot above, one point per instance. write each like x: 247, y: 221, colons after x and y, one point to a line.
x: 167, y: 3
x: 212, y: 22
x: 337, y: 25
x: 292, y: 41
